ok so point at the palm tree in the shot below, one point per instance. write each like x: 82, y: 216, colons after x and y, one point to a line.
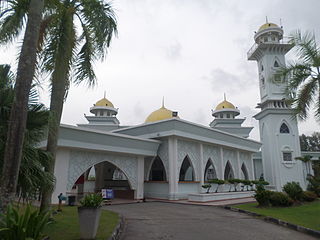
x: 31, y: 174
x: 13, y: 18
x: 306, y: 159
x: 64, y: 51
x: 303, y: 89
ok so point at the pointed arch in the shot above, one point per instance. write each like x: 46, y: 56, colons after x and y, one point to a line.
x: 228, y: 171
x: 210, y: 171
x: 284, y: 128
x: 244, y: 171
x: 276, y: 64
x: 186, y: 170
x: 157, y: 170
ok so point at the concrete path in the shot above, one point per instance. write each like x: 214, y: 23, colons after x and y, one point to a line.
x: 166, y: 221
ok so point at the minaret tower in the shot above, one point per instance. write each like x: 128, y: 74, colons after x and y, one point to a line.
x: 278, y: 127
x: 104, y: 116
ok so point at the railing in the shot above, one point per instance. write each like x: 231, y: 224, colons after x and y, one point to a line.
x: 284, y: 40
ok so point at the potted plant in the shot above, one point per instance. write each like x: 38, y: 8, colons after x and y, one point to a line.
x: 89, y: 215
x: 207, y: 186
x: 218, y: 182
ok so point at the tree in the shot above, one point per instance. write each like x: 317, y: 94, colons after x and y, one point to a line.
x: 64, y: 50
x: 303, y: 89
x: 31, y: 175
x: 306, y: 159
x: 310, y: 143
x: 12, y: 21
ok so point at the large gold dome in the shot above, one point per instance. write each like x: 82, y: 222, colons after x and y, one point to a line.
x: 160, y: 114
x: 267, y: 25
x: 225, y: 104
x: 104, y: 103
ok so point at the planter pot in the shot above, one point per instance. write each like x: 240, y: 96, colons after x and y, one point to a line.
x: 88, y: 221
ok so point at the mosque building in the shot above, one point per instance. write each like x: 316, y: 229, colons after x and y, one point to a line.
x: 170, y: 158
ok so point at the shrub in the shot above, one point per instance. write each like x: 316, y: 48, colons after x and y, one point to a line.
x: 309, y: 196
x: 294, y: 190
x: 93, y: 200
x: 21, y: 226
x: 262, y: 196
x: 280, y: 199
x: 246, y: 183
x: 217, y: 181
x: 206, y: 186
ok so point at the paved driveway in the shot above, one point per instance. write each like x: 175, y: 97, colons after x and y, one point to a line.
x: 164, y: 221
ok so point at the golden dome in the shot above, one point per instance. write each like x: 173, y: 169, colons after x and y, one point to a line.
x: 160, y: 114
x: 225, y: 104
x: 104, y: 103
x: 267, y: 25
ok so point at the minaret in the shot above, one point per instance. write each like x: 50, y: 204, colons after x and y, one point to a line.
x: 104, y: 116
x: 278, y: 127
x: 225, y: 115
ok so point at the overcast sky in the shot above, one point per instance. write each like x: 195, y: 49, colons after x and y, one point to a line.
x: 190, y: 52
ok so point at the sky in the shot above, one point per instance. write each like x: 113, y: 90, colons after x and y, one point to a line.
x: 190, y: 52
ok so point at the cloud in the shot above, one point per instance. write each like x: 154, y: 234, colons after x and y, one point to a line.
x: 173, y: 51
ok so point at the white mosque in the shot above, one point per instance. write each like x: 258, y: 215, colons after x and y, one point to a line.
x: 169, y: 158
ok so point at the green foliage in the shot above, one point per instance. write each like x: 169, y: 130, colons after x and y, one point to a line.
x: 93, y: 200
x: 303, y: 88
x: 280, y: 199
x: 309, y: 196
x: 206, y: 186
x: 217, y: 181
x: 31, y: 175
x: 310, y: 143
x: 314, y: 185
x: 28, y: 225
x: 294, y: 190
x: 262, y: 196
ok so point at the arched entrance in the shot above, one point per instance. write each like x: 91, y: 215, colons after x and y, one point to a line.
x: 186, y: 170
x: 104, y: 175
x: 210, y: 171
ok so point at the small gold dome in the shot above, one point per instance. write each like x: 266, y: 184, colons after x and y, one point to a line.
x: 225, y: 104
x: 160, y: 114
x: 104, y: 103
x: 267, y: 25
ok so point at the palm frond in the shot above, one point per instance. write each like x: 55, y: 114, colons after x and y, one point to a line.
x: 13, y: 20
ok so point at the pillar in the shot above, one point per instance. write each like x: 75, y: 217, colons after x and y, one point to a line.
x: 139, y: 192
x: 173, y: 159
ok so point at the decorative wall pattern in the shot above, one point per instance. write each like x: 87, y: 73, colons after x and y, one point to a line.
x: 211, y: 152
x: 80, y: 161
x: 163, y: 153
x: 191, y: 149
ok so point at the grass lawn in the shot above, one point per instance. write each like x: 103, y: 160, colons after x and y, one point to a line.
x: 307, y: 215
x: 66, y: 225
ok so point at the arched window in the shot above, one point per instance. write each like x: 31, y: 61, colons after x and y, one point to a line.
x: 157, y: 171
x: 228, y: 172
x: 276, y: 64
x: 284, y: 128
x: 186, y: 170
x: 244, y: 172
x: 210, y: 171
x: 262, y: 68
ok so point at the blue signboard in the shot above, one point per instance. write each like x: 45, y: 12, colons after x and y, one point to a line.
x: 110, y: 194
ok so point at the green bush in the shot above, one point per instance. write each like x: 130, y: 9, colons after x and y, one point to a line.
x: 294, y: 190
x: 28, y: 225
x: 280, y: 199
x: 93, y: 200
x: 262, y: 196
x: 309, y: 196
x: 206, y: 186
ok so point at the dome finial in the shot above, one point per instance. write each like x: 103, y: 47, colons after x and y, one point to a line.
x: 224, y: 96
x: 163, y: 101
x: 104, y: 94
x: 266, y: 19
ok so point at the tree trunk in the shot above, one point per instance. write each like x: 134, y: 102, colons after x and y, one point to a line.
x: 18, y: 114
x: 60, y: 82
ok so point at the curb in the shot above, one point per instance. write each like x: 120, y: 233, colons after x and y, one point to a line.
x: 295, y: 227
x: 118, y: 230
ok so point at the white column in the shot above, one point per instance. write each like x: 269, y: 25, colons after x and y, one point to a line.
x: 252, y: 167
x: 61, y: 174
x: 238, y: 163
x: 201, y: 169
x: 222, y: 164
x: 173, y: 159
x: 139, y: 192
